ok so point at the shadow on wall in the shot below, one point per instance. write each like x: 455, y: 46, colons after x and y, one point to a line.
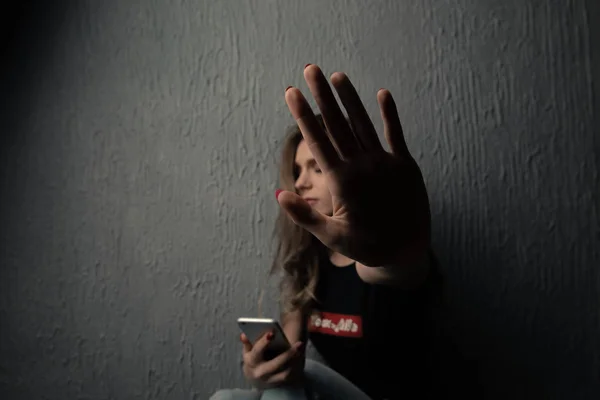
x: 508, y: 332
x: 28, y: 35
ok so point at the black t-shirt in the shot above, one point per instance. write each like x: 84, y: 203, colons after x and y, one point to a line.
x: 374, y: 335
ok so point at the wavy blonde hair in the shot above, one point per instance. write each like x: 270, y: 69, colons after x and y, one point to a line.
x: 297, y: 251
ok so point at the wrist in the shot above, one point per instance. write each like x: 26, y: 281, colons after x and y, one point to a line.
x: 420, y: 269
x: 412, y: 262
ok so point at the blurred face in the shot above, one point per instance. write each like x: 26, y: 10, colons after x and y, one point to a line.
x: 310, y: 181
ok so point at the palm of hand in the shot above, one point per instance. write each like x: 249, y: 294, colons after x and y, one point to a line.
x: 380, y: 206
x: 381, y: 211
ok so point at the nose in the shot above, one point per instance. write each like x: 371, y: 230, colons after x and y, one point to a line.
x: 303, y: 182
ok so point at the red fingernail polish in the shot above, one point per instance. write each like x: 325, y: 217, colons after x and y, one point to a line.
x: 270, y: 336
x: 306, y: 66
x: 288, y: 88
x: 277, y: 193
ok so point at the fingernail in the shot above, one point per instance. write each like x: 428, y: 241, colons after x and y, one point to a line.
x: 277, y: 193
x: 306, y: 66
x: 299, y: 347
x: 288, y: 88
x: 270, y: 336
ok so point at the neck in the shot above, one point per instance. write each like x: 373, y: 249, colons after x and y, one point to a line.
x: 340, y: 260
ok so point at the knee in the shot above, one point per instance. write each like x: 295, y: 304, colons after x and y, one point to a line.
x: 236, y: 394
x: 312, y: 366
x: 223, y: 394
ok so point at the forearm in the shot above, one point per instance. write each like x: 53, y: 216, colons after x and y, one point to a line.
x: 294, y: 325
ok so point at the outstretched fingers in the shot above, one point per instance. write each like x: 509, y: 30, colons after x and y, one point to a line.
x: 317, y: 140
x: 391, y: 123
x: 361, y: 122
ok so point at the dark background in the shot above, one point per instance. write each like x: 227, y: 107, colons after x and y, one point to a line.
x: 138, y: 153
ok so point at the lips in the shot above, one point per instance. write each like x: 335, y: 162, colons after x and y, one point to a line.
x: 310, y: 200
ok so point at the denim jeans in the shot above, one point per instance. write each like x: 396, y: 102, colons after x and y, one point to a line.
x: 322, y: 383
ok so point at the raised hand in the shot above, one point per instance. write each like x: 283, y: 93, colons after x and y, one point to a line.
x: 380, y: 206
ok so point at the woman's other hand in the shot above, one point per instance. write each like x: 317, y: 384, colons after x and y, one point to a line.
x: 286, y: 368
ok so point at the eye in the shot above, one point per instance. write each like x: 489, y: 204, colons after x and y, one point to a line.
x: 317, y: 170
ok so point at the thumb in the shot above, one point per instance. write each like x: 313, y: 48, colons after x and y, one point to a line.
x: 301, y: 213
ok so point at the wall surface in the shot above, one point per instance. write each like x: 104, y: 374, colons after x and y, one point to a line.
x: 138, y: 167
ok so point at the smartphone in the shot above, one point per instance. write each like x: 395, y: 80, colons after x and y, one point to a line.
x: 255, y: 328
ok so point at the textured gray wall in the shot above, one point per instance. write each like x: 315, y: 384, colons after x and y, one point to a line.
x: 138, y: 169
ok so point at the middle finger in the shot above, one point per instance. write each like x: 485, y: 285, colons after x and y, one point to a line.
x: 337, y: 126
x: 365, y: 131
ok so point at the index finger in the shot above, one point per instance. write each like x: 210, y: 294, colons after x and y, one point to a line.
x: 256, y: 352
x: 245, y: 343
x: 316, y: 138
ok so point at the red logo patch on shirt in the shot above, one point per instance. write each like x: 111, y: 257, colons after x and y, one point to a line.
x: 336, y: 324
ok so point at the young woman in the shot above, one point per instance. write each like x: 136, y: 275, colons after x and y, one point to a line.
x: 358, y: 276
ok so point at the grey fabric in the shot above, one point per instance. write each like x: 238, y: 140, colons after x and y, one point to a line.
x: 236, y: 394
x: 321, y: 381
